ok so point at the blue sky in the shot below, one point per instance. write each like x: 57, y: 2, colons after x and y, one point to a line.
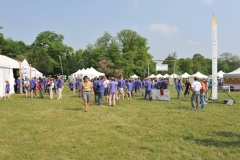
x: 183, y: 26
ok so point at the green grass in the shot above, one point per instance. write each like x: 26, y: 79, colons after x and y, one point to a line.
x: 134, y: 129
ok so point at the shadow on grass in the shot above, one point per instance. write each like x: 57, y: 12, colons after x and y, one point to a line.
x: 73, y: 109
x: 217, y: 143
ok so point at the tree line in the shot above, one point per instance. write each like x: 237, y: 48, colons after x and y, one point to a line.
x: 125, y: 54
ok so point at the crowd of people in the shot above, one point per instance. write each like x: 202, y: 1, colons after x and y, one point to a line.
x: 112, y: 88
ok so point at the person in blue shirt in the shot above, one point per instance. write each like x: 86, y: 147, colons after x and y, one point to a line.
x: 59, y: 87
x: 130, y: 89
x: 79, y: 86
x: 95, y: 83
x: 178, y: 88
x: 101, y: 90
x: 148, y: 89
x: 112, y: 91
x: 138, y: 85
x: 7, y: 89
x: 71, y: 86
x: 121, y: 85
x: 41, y: 84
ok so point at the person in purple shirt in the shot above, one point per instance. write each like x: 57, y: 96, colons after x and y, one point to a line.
x: 101, y: 90
x: 7, y: 89
x: 95, y: 88
x: 41, y: 84
x: 148, y: 89
x: 179, y: 88
x: 59, y: 87
x: 130, y: 89
x: 79, y: 86
x: 138, y: 85
x: 18, y: 84
x: 112, y: 91
x: 121, y: 85
x: 71, y: 86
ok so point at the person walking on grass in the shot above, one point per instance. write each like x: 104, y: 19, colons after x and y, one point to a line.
x: 87, y: 88
x: 112, y: 92
x: 138, y: 86
x: 187, y: 89
x: 101, y: 90
x: 41, y: 87
x: 79, y: 87
x: 27, y: 88
x: 120, y: 88
x: 130, y: 89
x: 202, y: 93
x: 148, y: 89
x: 59, y: 87
x: 195, y: 87
x: 51, y: 86
x: 71, y: 86
x: 7, y: 89
x: 179, y: 88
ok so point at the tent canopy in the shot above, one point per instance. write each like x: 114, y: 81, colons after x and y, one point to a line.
x: 134, y: 76
x: 173, y: 76
x: 184, y: 75
x: 90, y: 72
x: 159, y: 76
x: 166, y: 75
x: 152, y: 76
x: 7, y: 62
x: 198, y: 75
x: 235, y: 73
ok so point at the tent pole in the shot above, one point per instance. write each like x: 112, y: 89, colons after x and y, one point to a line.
x: 30, y: 71
x: 20, y: 72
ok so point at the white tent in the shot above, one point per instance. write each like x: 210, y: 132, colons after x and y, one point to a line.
x: 134, y: 76
x: 173, y: 76
x: 159, y: 76
x: 152, y: 76
x: 166, y: 75
x: 184, y: 75
x: 6, y: 72
x: 232, y: 78
x: 219, y: 75
x: 91, y: 73
x: 198, y: 75
x: 26, y: 70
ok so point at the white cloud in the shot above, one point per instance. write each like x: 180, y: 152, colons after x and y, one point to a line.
x: 192, y: 42
x: 164, y: 29
x: 208, y: 1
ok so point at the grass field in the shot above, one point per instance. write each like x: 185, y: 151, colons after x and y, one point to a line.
x: 40, y: 129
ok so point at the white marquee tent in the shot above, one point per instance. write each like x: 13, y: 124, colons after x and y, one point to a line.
x: 219, y: 75
x: 184, y: 75
x: 198, y: 75
x: 26, y: 70
x: 159, y: 76
x: 232, y: 78
x: 6, y: 72
x: 90, y: 72
x: 173, y: 76
x: 152, y: 76
x: 166, y: 75
x: 134, y: 76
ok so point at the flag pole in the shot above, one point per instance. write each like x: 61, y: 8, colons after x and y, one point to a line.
x: 61, y: 64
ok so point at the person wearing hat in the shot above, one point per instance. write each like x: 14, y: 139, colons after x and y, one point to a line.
x: 87, y: 88
x: 7, y: 89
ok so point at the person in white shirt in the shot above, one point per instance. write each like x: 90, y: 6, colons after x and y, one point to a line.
x: 106, y: 92
x: 195, y: 87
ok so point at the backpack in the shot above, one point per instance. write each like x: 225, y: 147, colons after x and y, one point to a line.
x: 37, y: 85
x: 203, y: 90
x: 158, y: 85
x: 97, y: 89
x: 27, y: 84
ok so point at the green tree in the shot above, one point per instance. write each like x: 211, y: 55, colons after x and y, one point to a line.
x: 38, y: 58
x: 52, y: 44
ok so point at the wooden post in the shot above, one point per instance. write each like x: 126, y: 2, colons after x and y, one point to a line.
x: 20, y: 75
x: 30, y: 72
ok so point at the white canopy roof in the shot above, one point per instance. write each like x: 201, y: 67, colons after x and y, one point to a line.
x: 7, y: 62
x: 134, y: 76
x: 173, y: 76
x: 166, y: 75
x: 184, y: 75
x: 219, y: 75
x: 198, y: 75
x: 90, y: 72
x: 152, y: 76
x: 235, y: 73
x: 159, y: 76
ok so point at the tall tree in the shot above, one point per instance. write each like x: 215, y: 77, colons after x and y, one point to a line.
x: 52, y: 44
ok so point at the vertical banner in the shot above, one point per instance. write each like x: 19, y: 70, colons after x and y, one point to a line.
x: 214, y: 59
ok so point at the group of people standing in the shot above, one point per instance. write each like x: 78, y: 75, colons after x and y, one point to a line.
x: 37, y: 86
x: 199, y: 90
